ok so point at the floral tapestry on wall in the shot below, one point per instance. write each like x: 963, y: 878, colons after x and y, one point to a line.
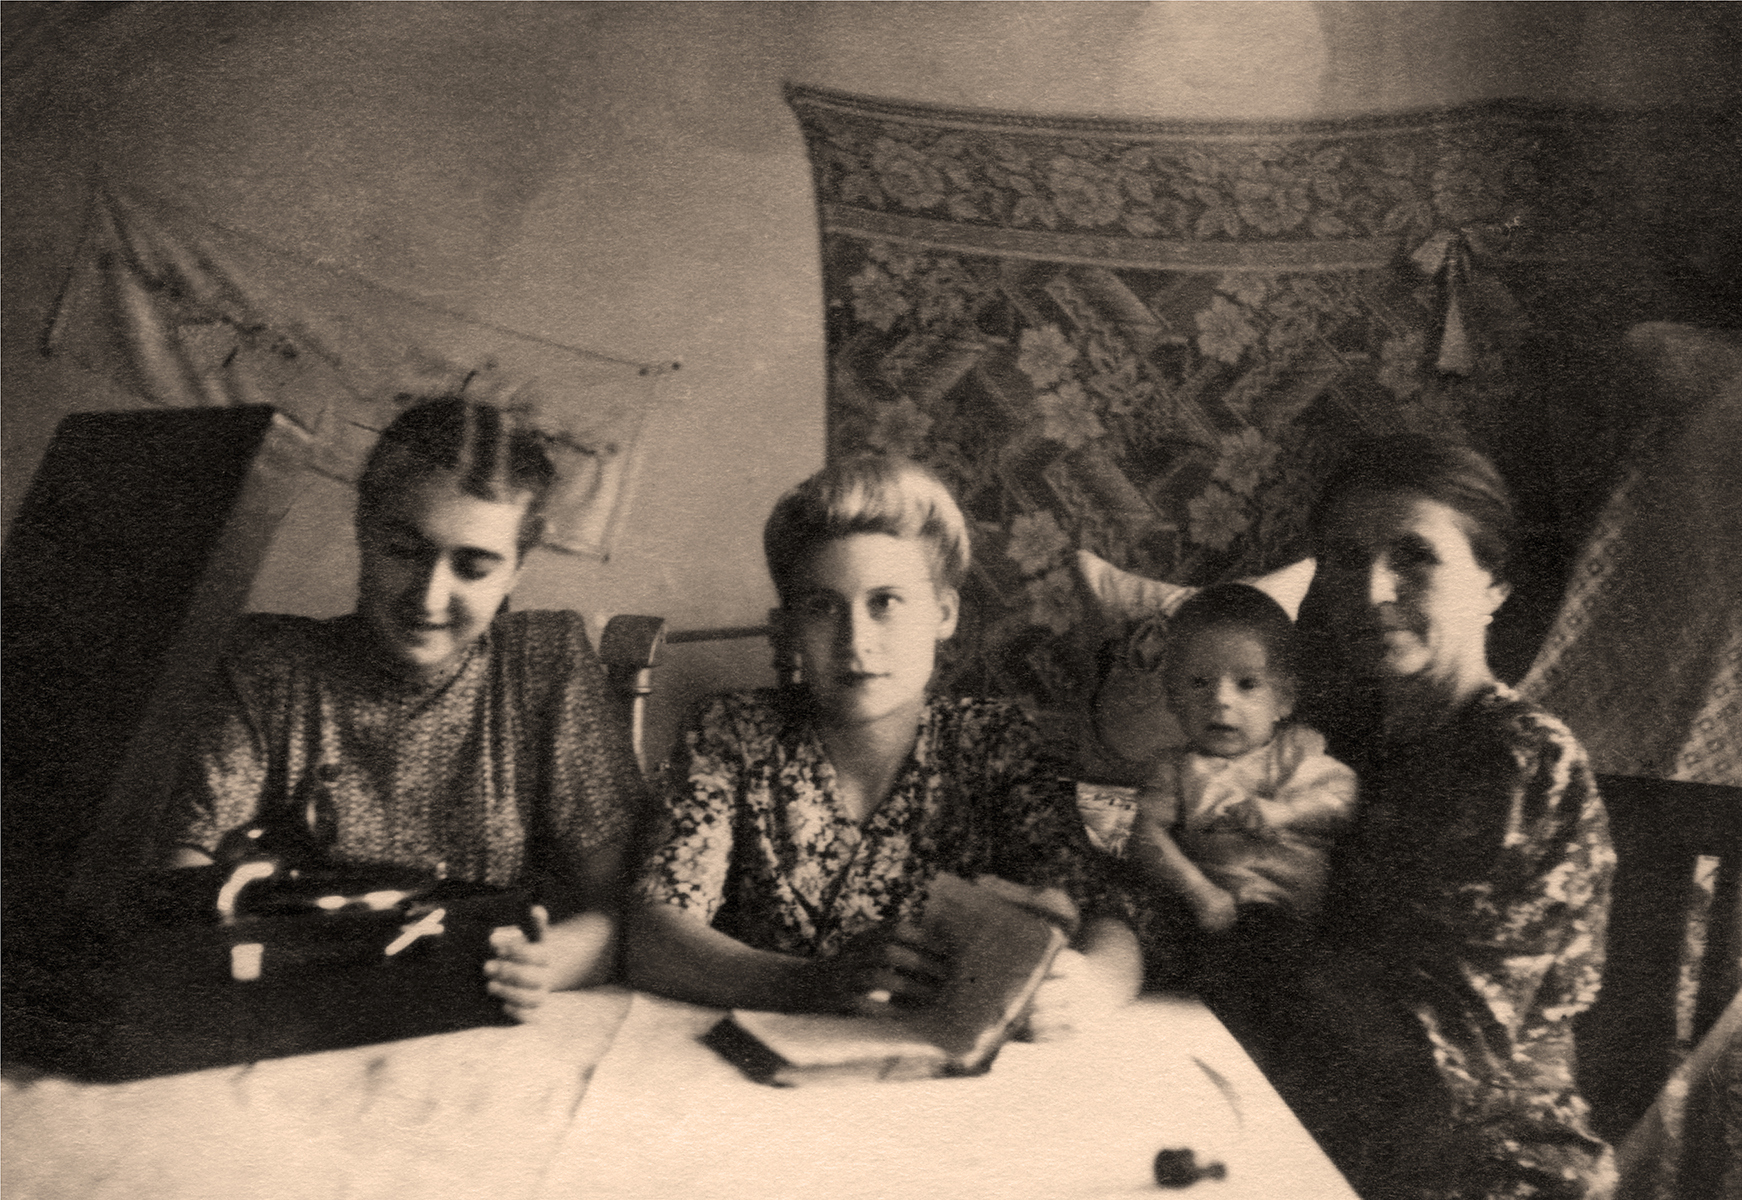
x: 1150, y: 341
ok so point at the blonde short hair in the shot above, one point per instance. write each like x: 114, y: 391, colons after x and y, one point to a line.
x: 867, y: 493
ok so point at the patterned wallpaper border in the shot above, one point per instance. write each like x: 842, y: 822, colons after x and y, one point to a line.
x: 1536, y: 177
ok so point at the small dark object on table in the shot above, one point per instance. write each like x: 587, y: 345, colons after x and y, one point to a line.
x: 1179, y: 1168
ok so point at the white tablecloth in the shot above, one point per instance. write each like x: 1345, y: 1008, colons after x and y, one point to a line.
x: 590, y: 1102
x: 475, y: 1114
x: 666, y: 1117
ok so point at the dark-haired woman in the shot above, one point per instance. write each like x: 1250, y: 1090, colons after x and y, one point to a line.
x: 1431, y: 1046
x: 450, y: 735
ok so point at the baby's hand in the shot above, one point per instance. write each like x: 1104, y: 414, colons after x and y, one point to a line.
x: 1248, y: 817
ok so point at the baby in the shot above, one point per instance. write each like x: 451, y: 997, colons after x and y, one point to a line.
x: 1236, y: 826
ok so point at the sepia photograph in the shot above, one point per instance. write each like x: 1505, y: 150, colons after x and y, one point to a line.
x: 870, y: 599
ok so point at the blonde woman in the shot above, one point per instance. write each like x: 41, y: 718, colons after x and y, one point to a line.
x: 805, y: 824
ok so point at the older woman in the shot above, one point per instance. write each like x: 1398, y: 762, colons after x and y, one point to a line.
x: 1431, y: 1048
x: 449, y: 735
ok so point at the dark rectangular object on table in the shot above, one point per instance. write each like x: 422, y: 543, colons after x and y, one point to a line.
x: 162, y: 986
x: 999, y: 954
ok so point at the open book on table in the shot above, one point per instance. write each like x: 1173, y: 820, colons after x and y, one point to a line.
x: 1000, y: 953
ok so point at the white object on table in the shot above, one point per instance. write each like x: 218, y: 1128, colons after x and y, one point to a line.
x: 667, y: 1117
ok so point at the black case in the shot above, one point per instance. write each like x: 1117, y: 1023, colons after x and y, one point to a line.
x: 162, y: 986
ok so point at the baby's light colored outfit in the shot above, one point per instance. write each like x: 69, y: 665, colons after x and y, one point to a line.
x: 1260, y: 826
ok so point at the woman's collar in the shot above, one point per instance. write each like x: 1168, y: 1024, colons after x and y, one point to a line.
x: 918, y: 753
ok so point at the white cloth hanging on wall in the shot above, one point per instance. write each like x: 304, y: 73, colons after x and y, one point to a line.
x: 187, y: 313
x: 1644, y: 660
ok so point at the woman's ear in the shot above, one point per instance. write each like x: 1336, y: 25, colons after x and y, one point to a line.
x: 1287, y: 695
x: 950, y: 608
x: 1498, y: 591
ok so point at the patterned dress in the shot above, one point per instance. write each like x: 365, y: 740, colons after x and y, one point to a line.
x: 758, y: 845
x: 1465, y: 930
x: 515, y: 770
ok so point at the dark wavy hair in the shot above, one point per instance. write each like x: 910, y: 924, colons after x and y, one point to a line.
x: 1439, y: 468
x: 493, y: 457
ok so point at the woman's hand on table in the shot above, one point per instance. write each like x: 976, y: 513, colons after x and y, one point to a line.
x: 878, y: 970
x: 520, y: 973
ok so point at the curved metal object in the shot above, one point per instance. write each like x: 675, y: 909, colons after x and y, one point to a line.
x: 244, y: 874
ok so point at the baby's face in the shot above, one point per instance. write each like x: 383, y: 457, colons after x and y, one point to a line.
x: 1225, y: 694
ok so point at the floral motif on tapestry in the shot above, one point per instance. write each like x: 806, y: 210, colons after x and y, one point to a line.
x: 1150, y: 341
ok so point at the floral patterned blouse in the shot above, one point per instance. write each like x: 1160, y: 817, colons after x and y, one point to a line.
x: 517, y: 769
x: 1476, y: 885
x: 758, y: 845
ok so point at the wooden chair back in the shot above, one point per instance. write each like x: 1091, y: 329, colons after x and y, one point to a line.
x: 1632, y: 1038
x: 629, y: 646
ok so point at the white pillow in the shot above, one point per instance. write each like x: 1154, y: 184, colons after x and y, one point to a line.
x: 1131, y: 718
x: 1122, y: 597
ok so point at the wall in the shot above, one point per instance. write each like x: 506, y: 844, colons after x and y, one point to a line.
x: 625, y: 178
x: 1240, y: 60
x: 621, y: 178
